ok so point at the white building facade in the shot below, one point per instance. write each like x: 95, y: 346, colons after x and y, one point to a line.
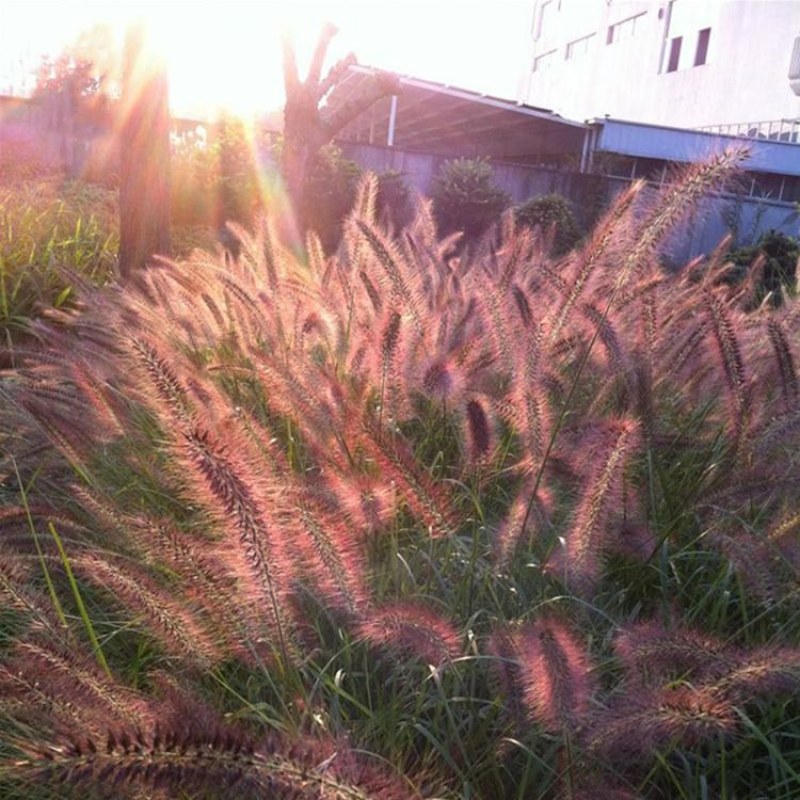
x: 681, y: 63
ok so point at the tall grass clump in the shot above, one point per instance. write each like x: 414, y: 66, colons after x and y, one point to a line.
x: 50, y: 229
x: 391, y: 523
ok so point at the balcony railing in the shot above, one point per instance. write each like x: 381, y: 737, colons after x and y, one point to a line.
x: 776, y: 130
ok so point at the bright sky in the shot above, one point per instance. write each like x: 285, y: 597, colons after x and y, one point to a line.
x: 226, y: 53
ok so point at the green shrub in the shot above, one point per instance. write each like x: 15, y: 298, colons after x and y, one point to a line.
x: 466, y: 199
x: 393, y: 201
x: 238, y: 184
x: 193, y: 185
x: 215, y: 183
x: 551, y: 211
x: 330, y: 193
x: 775, y: 255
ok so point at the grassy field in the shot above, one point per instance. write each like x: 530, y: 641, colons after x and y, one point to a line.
x: 48, y: 228
x: 57, y: 232
x: 393, y: 524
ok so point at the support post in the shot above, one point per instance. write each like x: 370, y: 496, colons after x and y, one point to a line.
x: 392, y: 122
x: 585, y: 151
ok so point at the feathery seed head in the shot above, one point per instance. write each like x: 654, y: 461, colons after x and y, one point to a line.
x: 556, y: 674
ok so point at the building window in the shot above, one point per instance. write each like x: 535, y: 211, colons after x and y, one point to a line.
x: 615, y: 166
x: 794, y: 65
x: 579, y: 47
x: 674, y: 54
x: 624, y: 29
x: 767, y: 185
x: 701, y: 54
x: 653, y: 170
x: 791, y: 189
x: 544, y: 61
x: 546, y: 10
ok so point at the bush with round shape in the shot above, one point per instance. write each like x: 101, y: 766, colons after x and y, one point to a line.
x: 551, y: 211
x: 465, y: 197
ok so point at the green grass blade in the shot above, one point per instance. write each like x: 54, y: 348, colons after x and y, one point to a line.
x: 51, y: 589
x: 76, y: 593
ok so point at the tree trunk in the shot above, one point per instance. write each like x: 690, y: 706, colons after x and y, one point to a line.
x: 307, y: 127
x: 144, y: 158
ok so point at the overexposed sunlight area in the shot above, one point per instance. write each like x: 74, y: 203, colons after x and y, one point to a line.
x: 227, y: 55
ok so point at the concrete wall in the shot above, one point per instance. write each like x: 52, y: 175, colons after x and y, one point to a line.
x: 520, y: 181
x: 591, y: 59
x: 718, y: 216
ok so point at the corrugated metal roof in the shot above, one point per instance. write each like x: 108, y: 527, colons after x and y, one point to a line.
x: 437, y: 118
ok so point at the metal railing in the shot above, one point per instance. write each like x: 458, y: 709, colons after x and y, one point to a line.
x: 776, y: 130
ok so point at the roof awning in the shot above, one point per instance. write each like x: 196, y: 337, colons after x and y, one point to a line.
x: 641, y: 140
x: 439, y: 119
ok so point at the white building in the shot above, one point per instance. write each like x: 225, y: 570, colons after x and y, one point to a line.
x: 682, y: 63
